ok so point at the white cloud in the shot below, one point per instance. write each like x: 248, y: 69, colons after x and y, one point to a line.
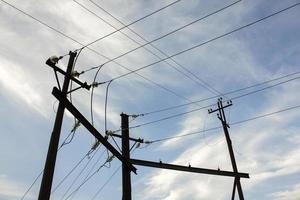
x: 19, y: 83
x: 289, y: 194
x: 10, y: 189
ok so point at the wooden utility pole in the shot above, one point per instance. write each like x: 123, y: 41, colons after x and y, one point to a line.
x: 126, y: 179
x: 126, y: 176
x: 222, y: 117
x: 45, y: 188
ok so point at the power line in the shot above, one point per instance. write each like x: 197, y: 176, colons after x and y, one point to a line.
x: 208, y: 41
x: 70, y: 172
x: 41, y: 173
x: 90, y: 171
x: 41, y: 22
x: 232, y: 124
x: 135, y: 21
x: 150, y: 42
x: 202, y: 82
x: 109, y: 179
x: 79, y: 174
x: 171, y: 32
x: 225, y: 93
x: 90, y: 176
x: 106, y: 182
x: 96, y: 52
x: 201, y: 108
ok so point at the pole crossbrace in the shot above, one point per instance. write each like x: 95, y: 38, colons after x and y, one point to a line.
x: 68, y: 105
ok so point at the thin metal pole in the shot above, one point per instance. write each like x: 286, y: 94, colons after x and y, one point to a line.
x: 126, y: 179
x: 45, y: 188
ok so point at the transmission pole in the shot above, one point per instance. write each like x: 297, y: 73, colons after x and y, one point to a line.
x: 45, y: 188
x: 126, y: 177
x: 222, y: 117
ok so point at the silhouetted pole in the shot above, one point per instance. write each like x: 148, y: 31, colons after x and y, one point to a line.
x: 126, y: 179
x: 45, y: 188
x: 222, y: 117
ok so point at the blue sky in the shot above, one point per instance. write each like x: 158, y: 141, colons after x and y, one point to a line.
x: 266, y: 148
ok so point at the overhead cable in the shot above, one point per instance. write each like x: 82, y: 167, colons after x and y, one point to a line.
x: 134, y: 22
x: 207, y: 106
x: 225, y: 93
x: 208, y: 41
x: 169, y: 33
x: 231, y: 124
x: 202, y: 83
x: 96, y: 52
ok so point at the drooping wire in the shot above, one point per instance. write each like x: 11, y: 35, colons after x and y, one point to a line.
x: 135, y: 21
x: 76, y: 123
x: 92, y: 93
x: 232, y: 124
x: 208, y: 41
x: 105, y: 107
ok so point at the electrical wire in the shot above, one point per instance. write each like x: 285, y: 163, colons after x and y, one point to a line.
x: 150, y: 42
x: 90, y: 171
x: 79, y: 174
x: 201, y: 108
x: 71, y: 100
x: 108, y: 180
x: 225, y: 93
x: 135, y: 21
x: 89, y: 177
x: 204, y: 83
x: 92, y: 95
x: 171, y: 32
x: 70, y: 172
x: 96, y: 52
x: 41, y: 173
x: 206, y: 42
x: 232, y: 124
x: 105, y: 107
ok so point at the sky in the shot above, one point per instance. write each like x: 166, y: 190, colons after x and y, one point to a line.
x: 267, y: 148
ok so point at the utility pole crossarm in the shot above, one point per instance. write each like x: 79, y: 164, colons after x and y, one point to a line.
x: 188, y: 168
x: 55, y: 68
x: 130, y: 138
x: 68, y: 105
x: 229, y: 103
